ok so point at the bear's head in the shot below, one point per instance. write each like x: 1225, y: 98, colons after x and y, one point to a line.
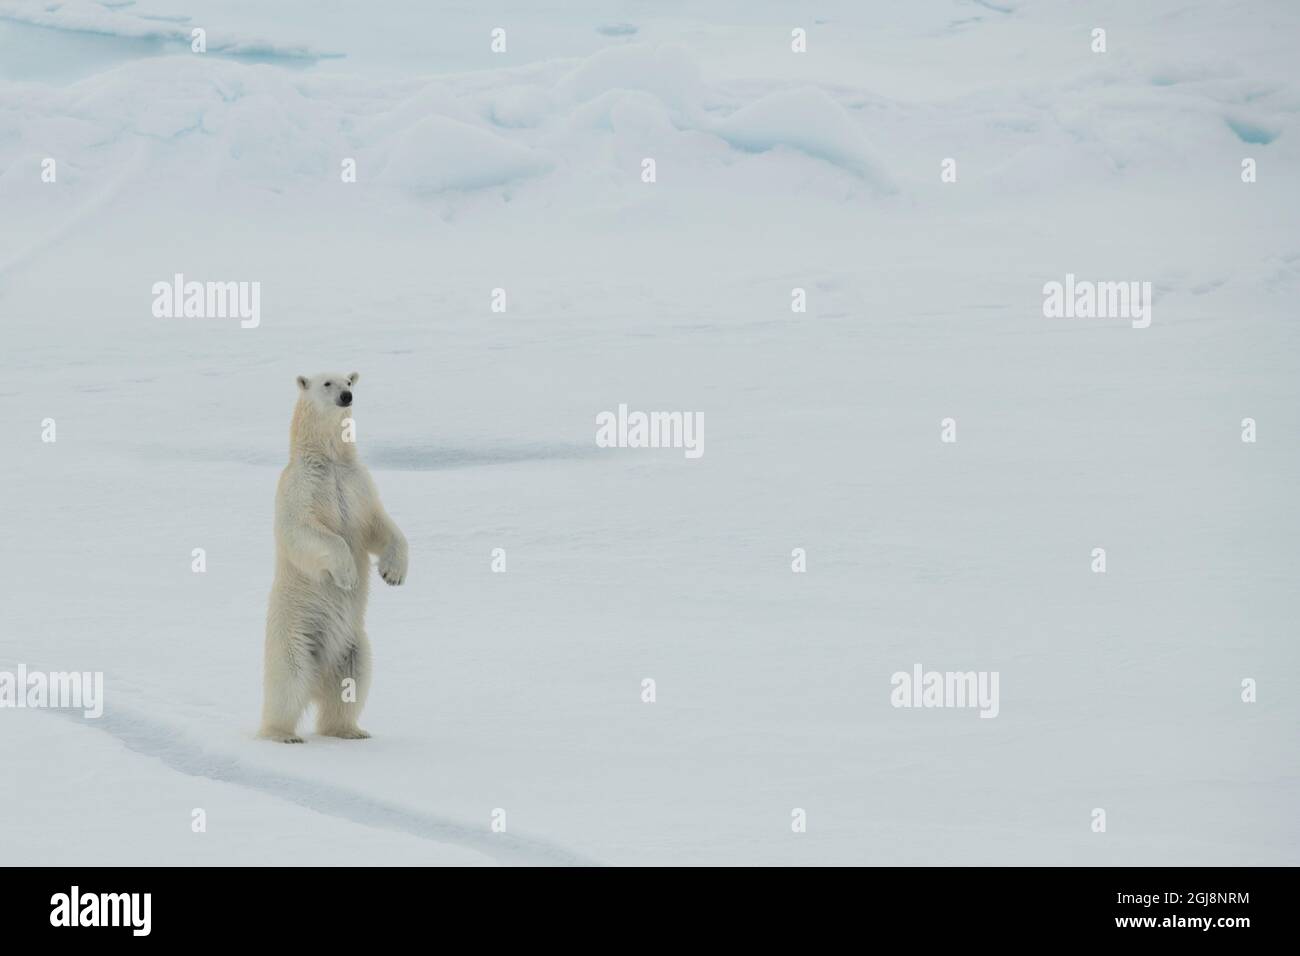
x: 322, y: 423
x: 328, y: 390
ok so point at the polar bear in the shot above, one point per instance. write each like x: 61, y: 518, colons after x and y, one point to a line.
x: 328, y: 521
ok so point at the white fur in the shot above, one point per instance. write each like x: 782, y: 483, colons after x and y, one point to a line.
x: 328, y: 521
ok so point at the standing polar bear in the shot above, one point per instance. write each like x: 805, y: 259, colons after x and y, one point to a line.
x: 328, y: 521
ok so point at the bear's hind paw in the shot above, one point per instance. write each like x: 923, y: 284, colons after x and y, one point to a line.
x: 347, y: 733
x: 283, y: 738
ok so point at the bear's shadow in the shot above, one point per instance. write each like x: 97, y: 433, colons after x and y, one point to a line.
x: 395, y: 457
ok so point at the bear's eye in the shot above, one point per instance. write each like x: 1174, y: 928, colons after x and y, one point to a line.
x: 327, y: 384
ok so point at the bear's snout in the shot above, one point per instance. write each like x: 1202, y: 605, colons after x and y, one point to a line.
x: 345, y: 399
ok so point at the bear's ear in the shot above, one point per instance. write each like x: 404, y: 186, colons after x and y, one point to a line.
x: 304, y: 383
x: 352, y: 379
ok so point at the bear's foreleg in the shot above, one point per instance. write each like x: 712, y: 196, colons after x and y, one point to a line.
x: 313, y: 550
x: 388, y: 542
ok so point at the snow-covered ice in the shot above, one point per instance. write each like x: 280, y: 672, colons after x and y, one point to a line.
x: 774, y: 170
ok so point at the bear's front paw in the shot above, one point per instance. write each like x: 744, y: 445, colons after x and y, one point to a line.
x: 392, y: 569
x: 345, y: 575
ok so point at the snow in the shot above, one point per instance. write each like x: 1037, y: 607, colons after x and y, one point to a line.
x: 669, y: 73
x: 126, y: 19
x: 775, y: 170
x: 805, y: 119
x: 439, y: 153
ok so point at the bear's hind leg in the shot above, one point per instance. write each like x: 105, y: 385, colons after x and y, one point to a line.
x: 286, y: 691
x: 342, y: 691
